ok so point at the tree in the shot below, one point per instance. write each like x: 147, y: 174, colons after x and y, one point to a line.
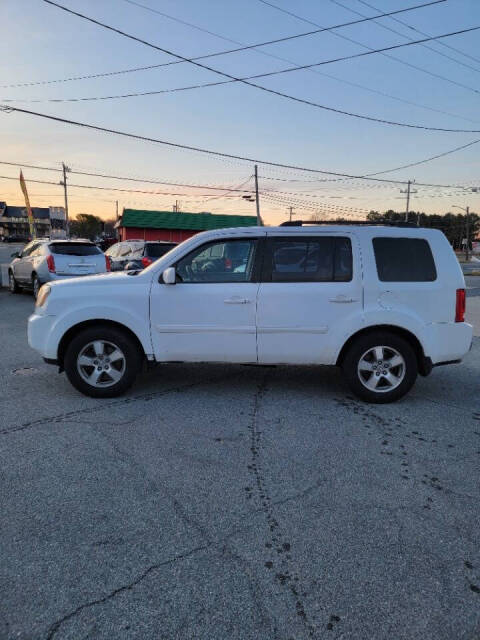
x: 86, y: 225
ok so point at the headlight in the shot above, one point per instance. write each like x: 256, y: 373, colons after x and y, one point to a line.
x: 43, y: 295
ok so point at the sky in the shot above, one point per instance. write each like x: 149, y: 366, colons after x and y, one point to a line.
x: 434, y: 87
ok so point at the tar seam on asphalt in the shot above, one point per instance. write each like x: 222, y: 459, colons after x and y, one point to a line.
x: 144, y: 397
x: 278, y: 548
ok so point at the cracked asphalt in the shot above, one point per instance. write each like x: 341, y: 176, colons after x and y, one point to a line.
x: 217, y: 502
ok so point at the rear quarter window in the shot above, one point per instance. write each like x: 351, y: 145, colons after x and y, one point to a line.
x: 404, y: 260
x: 74, y: 249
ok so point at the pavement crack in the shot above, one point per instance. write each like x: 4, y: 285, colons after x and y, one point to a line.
x: 127, y: 587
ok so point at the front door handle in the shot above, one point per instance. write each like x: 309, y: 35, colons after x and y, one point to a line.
x: 342, y: 299
x: 237, y: 300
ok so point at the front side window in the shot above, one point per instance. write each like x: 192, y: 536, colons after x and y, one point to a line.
x: 404, y: 260
x: 311, y: 259
x: 228, y: 261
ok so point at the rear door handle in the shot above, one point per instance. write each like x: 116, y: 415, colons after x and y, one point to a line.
x: 237, y: 301
x: 342, y: 299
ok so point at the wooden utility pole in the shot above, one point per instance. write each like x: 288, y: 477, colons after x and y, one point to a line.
x: 257, y: 197
x: 408, y: 191
x: 64, y: 183
x: 291, y: 212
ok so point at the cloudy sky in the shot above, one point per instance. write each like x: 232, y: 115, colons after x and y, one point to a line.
x: 430, y: 85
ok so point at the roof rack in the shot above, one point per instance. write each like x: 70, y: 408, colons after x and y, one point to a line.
x: 379, y: 223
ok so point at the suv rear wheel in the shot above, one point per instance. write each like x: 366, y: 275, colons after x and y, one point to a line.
x: 102, y: 362
x: 380, y: 367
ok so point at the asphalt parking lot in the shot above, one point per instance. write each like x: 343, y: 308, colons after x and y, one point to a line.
x: 236, y: 502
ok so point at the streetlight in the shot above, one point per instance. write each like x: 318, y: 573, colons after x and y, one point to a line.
x: 467, y: 211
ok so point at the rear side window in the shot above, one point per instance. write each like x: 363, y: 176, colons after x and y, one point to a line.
x: 74, y: 249
x: 311, y: 259
x: 157, y: 250
x: 404, y: 260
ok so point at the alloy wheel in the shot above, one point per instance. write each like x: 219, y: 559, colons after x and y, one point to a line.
x: 381, y: 369
x: 101, y: 363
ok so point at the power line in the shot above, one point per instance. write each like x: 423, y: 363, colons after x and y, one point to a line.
x: 210, y: 152
x: 251, y: 46
x: 279, y: 93
x: 259, y: 51
x: 399, y: 60
x: 415, y: 164
x: 88, y: 186
x: 399, y: 33
x: 246, y: 78
x: 423, y: 33
x: 146, y: 180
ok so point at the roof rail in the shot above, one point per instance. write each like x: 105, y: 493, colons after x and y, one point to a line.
x: 382, y: 223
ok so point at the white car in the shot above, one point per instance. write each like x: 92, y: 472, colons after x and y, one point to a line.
x: 44, y: 260
x: 382, y: 302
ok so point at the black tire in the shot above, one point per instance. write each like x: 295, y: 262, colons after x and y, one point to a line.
x: 36, y: 284
x: 131, y: 363
x: 359, y: 352
x: 12, y: 283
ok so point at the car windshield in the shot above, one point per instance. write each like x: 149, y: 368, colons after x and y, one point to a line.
x: 156, y: 250
x: 74, y: 249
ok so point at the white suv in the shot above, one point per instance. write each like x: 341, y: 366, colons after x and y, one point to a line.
x: 382, y: 302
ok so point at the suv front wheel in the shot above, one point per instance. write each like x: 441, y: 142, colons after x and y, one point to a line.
x: 102, y: 362
x: 380, y: 367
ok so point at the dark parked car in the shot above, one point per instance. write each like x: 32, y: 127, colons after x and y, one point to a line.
x: 137, y: 254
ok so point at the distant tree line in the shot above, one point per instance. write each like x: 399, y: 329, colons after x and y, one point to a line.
x: 453, y: 225
x: 91, y: 227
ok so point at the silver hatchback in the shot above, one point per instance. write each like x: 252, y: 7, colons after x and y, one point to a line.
x: 44, y: 260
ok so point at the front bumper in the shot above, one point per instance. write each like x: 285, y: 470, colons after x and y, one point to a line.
x: 38, y: 332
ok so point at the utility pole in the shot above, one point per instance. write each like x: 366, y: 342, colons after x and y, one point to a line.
x: 64, y: 183
x: 116, y: 210
x: 291, y: 212
x: 257, y: 198
x: 408, y: 191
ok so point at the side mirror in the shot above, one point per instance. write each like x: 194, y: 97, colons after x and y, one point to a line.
x: 15, y: 255
x: 169, y: 276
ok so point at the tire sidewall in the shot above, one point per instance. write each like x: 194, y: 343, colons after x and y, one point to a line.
x: 368, y: 341
x: 35, y: 281
x: 133, y: 359
x: 12, y: 283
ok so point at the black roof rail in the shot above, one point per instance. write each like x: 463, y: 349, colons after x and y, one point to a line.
x: 379, y: 223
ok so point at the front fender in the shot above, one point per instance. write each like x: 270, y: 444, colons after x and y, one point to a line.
x: 137, y: 322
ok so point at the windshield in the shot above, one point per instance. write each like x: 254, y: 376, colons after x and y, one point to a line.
x: 74, y: 249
